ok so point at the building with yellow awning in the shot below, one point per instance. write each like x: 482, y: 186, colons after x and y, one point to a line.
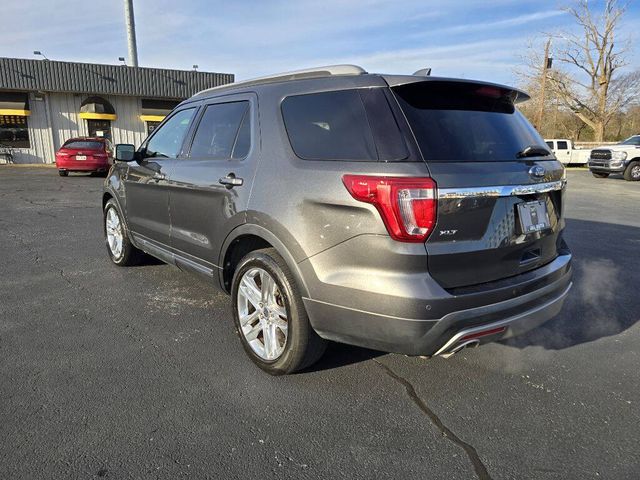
x: 43, y: 102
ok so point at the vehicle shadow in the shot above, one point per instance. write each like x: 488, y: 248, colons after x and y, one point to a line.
x: 604, y: 300
x: 340, y: 355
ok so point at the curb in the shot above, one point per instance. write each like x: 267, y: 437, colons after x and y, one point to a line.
x: 27, y: 165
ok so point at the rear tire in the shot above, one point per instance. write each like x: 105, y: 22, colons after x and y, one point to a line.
x: 119, y: 246
x: 600, y: 175
x: 63, y: 173
x: 275, y: 333
x: 632, y: 173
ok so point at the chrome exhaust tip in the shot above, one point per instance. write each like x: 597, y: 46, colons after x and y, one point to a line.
x: 468, y: 344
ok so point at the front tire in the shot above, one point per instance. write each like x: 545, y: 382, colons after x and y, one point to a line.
x: 632, y: 173
x: 121, y: 250
x: 270, y: 317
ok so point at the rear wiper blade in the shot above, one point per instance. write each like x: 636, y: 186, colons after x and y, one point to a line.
x: 533, y: 151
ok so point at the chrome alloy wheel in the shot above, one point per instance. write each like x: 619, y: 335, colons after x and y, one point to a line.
x: 114, y: 231
x: 262, y: 313
x: 635, y: 171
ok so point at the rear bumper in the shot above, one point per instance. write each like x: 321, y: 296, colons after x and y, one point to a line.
x: 82, y: 166
x: 534, y: 298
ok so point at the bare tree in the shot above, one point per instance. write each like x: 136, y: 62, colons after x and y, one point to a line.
x: 593, y: 86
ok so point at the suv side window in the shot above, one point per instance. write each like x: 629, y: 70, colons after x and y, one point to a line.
x: 341, y: 125
x: 562, y: 146
x: 550, y: 144
x: 220, y: 135
x: 167, y: 140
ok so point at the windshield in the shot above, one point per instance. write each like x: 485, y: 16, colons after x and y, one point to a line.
x: 635, y: 140
x: 465, y: 122
x: 83, y: 145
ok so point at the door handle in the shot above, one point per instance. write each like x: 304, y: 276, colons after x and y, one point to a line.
x: 231, y: 181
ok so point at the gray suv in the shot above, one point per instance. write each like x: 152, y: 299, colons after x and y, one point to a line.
x: 403, y: 213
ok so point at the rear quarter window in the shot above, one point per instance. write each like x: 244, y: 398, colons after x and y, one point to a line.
x: 343, y: 125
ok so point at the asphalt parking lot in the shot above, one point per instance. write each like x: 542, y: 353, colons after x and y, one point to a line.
x: 110, y: 372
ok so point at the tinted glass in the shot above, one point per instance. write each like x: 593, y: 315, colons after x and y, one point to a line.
x: 84, y: 145
x: 167, y: 140
x: 386, y: 133
x: 465, y: 122
x: 217, y: 131
x: 562, y: 146
x: 329, y: 126
x: 550, y: 145
x: 243, y: 141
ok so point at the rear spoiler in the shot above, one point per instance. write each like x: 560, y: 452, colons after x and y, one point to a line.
x: 516, y: 95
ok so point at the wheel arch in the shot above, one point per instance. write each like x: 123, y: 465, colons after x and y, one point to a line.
x: 106, y: 196
x: 247, y: 238
x: 109, y: 195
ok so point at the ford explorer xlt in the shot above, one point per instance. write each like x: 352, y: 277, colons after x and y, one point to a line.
x: 404, y: 213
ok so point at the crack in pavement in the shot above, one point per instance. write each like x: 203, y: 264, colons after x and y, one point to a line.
x: 479, y: 467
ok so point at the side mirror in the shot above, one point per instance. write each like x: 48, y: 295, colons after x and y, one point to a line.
x: 125, y: 152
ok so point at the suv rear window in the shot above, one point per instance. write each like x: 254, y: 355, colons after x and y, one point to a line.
x: 84, y: 145
x: 465, y: 122
x: 343, y: 125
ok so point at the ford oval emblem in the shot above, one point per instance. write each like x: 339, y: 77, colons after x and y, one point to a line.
x: 537, y: 171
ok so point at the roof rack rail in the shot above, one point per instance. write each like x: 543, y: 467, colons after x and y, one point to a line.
x: 316, y: 72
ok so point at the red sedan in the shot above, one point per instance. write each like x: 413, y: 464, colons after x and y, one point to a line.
x: 84, y: 154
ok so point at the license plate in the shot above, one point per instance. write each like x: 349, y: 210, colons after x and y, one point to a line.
x: 81, y: 157
x: 533, y: 217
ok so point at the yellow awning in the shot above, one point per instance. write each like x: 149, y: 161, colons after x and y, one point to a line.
x: 18, y: 113
x: 152, y: 118
x: 98, y: 116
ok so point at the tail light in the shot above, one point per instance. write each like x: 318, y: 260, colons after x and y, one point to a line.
x: 100, y: 154
x: 62, y: 154
x: 407, y: 204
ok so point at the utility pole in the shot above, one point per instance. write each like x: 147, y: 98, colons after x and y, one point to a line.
x: 545, y: 66
x: 131, y: 32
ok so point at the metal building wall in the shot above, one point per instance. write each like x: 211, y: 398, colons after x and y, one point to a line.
x: 65, y: 122
x: 87, y: 78
x: 41, y: 146
x: 48, y: 130
x: 128, y: 128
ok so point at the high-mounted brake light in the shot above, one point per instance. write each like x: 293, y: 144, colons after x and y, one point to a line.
x: 407, y: 204
x: 492, y: 92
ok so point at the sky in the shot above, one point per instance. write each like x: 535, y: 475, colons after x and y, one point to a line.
x: 480, y: 39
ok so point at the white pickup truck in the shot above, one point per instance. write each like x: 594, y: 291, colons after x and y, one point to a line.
x: 623, y: 157
x: 565, y: 151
